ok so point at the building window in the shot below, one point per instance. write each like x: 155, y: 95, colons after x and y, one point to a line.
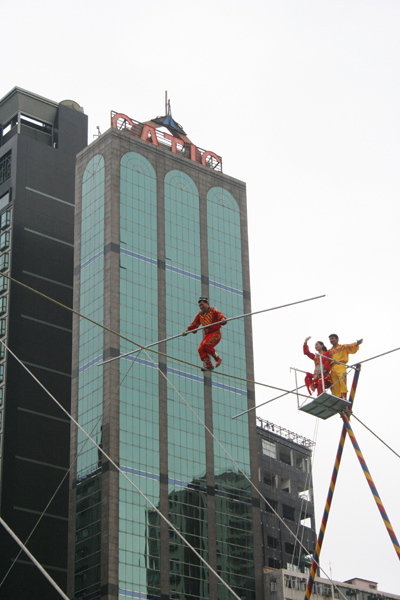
x: 1, y: 395
x: 272, y: 542
x: 5, y: 167
x: 285, y: 485
x: 274, y: 563
x: 268, y: 448
x: 285, y: 455
x: 1, y: 372
x: 289, y: 548
x: 2, y: 327
x: 3, y: 305
x: 5, y: 219
x: 3, y: 284
x: 327, y: 591
x: 301, y: 463
x: 270, y: 478
x: 304, y: 493
x: 305, y: 518
x: 292, y: 567
x: 303, y: 585
x: 271, y: 506
x: 8, y: 126
x: 2, y: 351
x: 5, y: 199
x: 288, y: 512
x: 290, y: 582
x: 4, y: 240
x: 4, y: 261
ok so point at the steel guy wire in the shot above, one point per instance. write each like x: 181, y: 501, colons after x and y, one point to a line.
x: 124, y: 474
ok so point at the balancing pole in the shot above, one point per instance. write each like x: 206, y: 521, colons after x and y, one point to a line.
x: 173, y: 337
x: 330, y: 493
x: 371, y: 484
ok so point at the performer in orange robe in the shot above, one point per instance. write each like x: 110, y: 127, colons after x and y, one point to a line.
x: 212, y: 334
x: 314, y: 382
x: 338, y: 372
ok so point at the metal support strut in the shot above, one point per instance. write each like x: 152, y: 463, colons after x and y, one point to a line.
x: 371, y: 485
x: 330, y: 494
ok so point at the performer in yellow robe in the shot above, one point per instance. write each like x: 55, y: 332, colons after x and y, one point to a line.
x: 341, y: 353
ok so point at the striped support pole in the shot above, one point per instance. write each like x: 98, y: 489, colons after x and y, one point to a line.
x: 372, y: 485
x: 330, y: 493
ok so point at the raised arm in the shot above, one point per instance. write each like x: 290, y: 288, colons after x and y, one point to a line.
x: 353, y: 348
x: 306, y: 350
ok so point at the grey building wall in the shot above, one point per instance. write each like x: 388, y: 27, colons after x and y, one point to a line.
x: 43, y: 138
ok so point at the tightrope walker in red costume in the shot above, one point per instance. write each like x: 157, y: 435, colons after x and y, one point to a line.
x: 209, y: 318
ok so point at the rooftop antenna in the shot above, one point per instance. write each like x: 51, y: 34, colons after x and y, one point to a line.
x: 167, y: 105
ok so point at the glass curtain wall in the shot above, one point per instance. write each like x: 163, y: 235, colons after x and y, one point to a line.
x: 186, y: 436
x: 233, y: 492
x: 90, y: 394
x: 139, y: 549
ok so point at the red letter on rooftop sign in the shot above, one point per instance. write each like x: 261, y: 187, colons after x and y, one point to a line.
x: 147, y: 129
x: 206, y: 155
x: 117, y: 116
x: 174, y: 142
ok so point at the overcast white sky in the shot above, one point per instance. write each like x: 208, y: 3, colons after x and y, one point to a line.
x: 301, y: 99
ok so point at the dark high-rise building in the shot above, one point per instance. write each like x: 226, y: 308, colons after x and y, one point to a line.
x: 39, y: 140
x: 286, y: 483
x: 158, y: 225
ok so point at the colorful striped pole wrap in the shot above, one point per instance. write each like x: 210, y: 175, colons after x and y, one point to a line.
x: 372, y: 485
x: 330, y: 493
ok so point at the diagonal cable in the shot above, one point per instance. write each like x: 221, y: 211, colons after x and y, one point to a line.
x: 377, y: 436
x: 68, y: 472
x: 234, y: 462
x: 64, y: 410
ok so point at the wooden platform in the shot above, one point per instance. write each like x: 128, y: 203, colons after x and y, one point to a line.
x: 325, y: 406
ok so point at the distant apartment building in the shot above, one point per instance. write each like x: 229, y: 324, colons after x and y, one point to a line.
x: 283, y: 584
x: 285, y: 480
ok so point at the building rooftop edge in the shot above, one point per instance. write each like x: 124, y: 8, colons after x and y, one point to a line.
x: 291, y: 436
x: 18, y: 90
x: 116, y: 132
x: 348, y: 583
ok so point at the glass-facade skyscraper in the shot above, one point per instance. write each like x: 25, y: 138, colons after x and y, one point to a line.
x: 157, y: 224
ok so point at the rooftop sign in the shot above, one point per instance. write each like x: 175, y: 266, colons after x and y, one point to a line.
x: 150, y: 134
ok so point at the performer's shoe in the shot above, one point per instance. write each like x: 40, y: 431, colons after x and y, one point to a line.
x: 207, y: 365
x: 218, y: 361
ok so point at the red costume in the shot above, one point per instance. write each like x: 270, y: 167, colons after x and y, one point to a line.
x: 314, y: 382
x: 212, y: 334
